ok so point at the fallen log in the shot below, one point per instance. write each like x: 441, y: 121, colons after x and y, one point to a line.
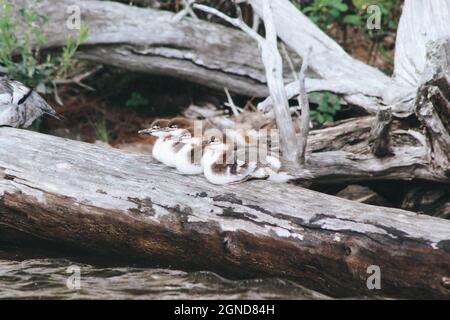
x: 124, y: 205
x: 151, y: 41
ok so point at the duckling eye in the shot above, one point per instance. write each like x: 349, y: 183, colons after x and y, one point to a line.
x: 173, y: 126
x: 213, y: 139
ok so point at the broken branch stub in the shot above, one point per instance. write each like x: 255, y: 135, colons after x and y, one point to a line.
x: 380, y: 135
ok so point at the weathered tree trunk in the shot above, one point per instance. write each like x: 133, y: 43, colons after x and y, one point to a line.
x: 150, y: 41
x: 123, y: 205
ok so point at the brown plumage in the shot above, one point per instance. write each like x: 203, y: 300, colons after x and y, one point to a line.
x: 180, y: 123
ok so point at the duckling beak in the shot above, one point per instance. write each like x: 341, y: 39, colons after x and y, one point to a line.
x: 151, y: 130
x: 145, y: 131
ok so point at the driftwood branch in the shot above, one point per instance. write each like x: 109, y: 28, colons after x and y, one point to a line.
x: 422, y: 22
x: 336, y: 71
x: 125, y: 206
x: 273, y: 65
x: 304, y: 106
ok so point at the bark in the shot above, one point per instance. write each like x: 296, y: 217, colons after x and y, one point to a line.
x: 123, y: 205
x: 362, y: 194
x: 150, y: 41
x: 380, y: 138
x: 433, y: 200
x: 342, y: 154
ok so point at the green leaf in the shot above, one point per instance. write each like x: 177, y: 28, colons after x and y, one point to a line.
x: 321, y: 118
x: 352, y: 19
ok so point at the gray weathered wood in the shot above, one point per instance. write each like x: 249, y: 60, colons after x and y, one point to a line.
x: 336, y: 71
x: 123, y: 205
x: 341, y: 153
x: 148, y: 40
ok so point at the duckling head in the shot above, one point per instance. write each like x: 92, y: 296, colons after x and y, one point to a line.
x: 214, y: 144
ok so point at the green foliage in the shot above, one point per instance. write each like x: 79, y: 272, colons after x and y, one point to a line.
x: 102, y: 130
x: 343, y: 13
x: 21, y: 38
x: 328, y: 106
x: 325, y: 12
x: 136, y: 100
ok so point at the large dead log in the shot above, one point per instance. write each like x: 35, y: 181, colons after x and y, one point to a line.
x: 151, y: 41
x: 123, y: 205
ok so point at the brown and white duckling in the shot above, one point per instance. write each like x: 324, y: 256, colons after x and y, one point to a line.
x: 168, y: 143
x: 189, y: 159
x: 241, y: 137
x: 224, y: 165
x: 158, y: 129
x: 221, y: 164
x: 177, y: 128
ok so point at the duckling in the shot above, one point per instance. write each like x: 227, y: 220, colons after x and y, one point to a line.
x: 224, y: 165
x: 242, y: 137
x: 158, y: 129
x: 20, y: 105
x: 176, y: 128
x: 180, y: 123
x: 221, y: 164
x: 188, y: 160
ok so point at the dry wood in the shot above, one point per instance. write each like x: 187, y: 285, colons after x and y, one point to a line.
x: 148, y: 40
x: 380, y: 136
x: 335, y: 71
x: 123, y: 205
x: 341, y: 154
x: 304, y: 106
x: 428, y: 199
